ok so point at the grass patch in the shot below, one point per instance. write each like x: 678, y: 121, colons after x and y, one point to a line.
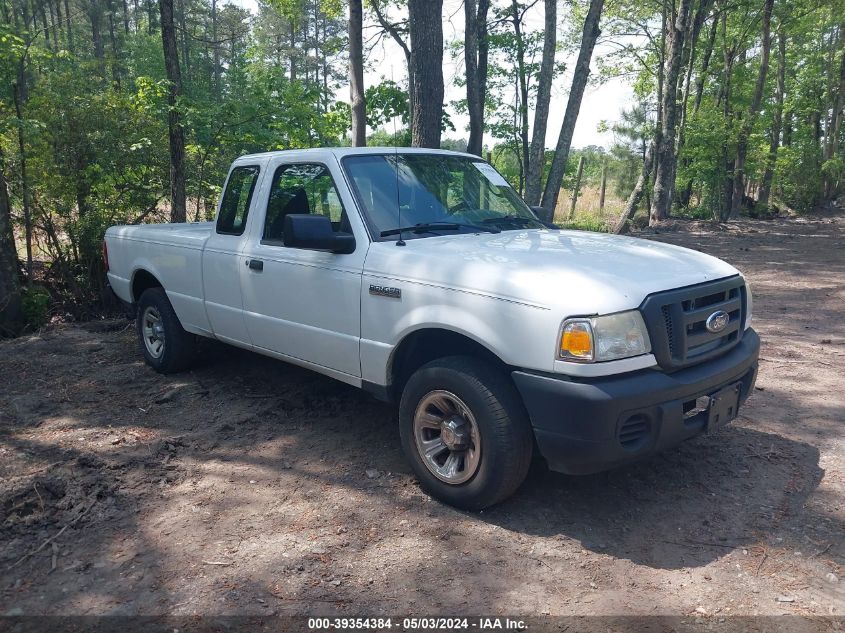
x: 587, y: 222
x: 589, y: 215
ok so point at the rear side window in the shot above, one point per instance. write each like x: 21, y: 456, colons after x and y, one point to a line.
x: 236, y: 199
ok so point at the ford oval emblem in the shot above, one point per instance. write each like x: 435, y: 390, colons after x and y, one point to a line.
x: 717, y: 321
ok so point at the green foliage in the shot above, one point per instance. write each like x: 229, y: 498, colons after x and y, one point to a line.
x: 587, y: 222
x: 710, y: 129
x: 95, y: 135
x: 92, y: 120
x: 385, y: 138
x: 512, y: 54
x: 385, y: 101
x: 35, y: 305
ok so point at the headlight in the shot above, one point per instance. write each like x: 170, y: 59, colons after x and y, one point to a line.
x: 603, y: 338
x: 749, y: 304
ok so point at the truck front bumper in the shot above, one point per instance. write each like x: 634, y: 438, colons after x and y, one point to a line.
x: 589, y: 425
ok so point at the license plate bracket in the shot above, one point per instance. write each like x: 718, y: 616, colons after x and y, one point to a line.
x: 724, y: 407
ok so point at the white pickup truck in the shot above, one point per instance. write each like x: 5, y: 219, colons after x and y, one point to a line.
x: 421, y: 276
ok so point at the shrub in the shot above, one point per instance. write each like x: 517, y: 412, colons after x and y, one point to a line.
x: 35, y: 303
x: 586, y: 222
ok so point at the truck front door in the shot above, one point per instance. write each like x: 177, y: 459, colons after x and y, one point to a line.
x: 304, y: 304
x: 221, y: 255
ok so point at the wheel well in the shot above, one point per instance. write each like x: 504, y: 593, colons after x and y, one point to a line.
x: 142, y: 281
x: 424, y: 346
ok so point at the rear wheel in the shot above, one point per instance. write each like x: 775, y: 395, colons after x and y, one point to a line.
x: 465, y: 432
x: 166, y: 346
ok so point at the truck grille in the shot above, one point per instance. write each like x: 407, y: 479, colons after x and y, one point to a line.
x: 677, y: 321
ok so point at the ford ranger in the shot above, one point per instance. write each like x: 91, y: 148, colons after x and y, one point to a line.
x: 422, y: 277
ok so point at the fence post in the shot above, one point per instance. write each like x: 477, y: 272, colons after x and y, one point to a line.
x: 603, y: 184
x: 576, y: 187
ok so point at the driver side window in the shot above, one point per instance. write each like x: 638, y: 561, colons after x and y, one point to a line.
x: 304, y: 188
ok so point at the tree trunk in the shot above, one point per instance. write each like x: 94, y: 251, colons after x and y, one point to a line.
x: 18, y: 96
x: 426, y: 29
x: 69, y: 26
x: 483, y: 53
x: 215, y: 51
x: 835, y: 127
x: 664, y: 179
x: 777, y: 124
x: 637, y: 194
x: 151, y: 17
x: 325, y: 66
x: 665, y: 20
x: 686, y: 194
x: 125, y: 17
x: 292, y: 52
x: 537, y: 152
x: 115, y: 48
x: 10, y: 291
x: 356, y: 73
x: 183, y: 31
x: 522, y: 88
x: 705, y: 65
x: 391, y: 30
x: 724, y: 100
x: 475, y: 56
x: 753, y: 111
x: 178, y: 211
x: 24, y: 16
x: 573, y: 106
x: 59, y: 30
x: 95, y: 14
x: 55, y: 22
x: 689, y: 62
x: 44, y: 24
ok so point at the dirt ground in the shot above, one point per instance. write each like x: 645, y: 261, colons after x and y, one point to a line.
x: 248, y: 486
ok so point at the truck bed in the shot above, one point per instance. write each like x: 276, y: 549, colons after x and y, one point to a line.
x: 184, y: 234
x: 172, y: 253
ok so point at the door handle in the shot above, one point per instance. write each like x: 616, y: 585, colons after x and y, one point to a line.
x: 255, y: 264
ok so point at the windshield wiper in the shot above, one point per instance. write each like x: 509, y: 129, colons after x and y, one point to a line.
x: 510, y: 219
x: 430, y: 227
x: 520, y: 220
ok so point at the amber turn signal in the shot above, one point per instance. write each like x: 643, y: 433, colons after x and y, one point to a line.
x: 576, y: 341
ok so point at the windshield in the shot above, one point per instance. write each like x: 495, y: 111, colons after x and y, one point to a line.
x: 404, y: 190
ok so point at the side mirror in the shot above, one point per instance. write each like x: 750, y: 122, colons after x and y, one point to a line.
x: 540, y: 212
x: 315, y: 232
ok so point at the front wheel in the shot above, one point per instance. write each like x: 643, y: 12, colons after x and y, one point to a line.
x: 465, y: 431
x: 167, y: 347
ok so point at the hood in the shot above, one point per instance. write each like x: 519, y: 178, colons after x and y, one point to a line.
x: 580, y: 272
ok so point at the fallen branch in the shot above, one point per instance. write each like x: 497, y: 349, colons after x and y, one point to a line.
x: 823, y: 551
x: 40, y: 500
x: 222, y: 563
x: 294, y: 599
x: 556, y: 588
x: 52, y: 538
x: 789, y: 361
x: 762, y: 560
x: 54, y: 561
x: 701, y: 544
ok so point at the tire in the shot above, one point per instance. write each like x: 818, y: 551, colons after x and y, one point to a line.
x: 481, y: 408
x: 166, y: 347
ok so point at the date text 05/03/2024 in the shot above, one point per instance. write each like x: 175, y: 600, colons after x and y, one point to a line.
x: 418, y: 624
